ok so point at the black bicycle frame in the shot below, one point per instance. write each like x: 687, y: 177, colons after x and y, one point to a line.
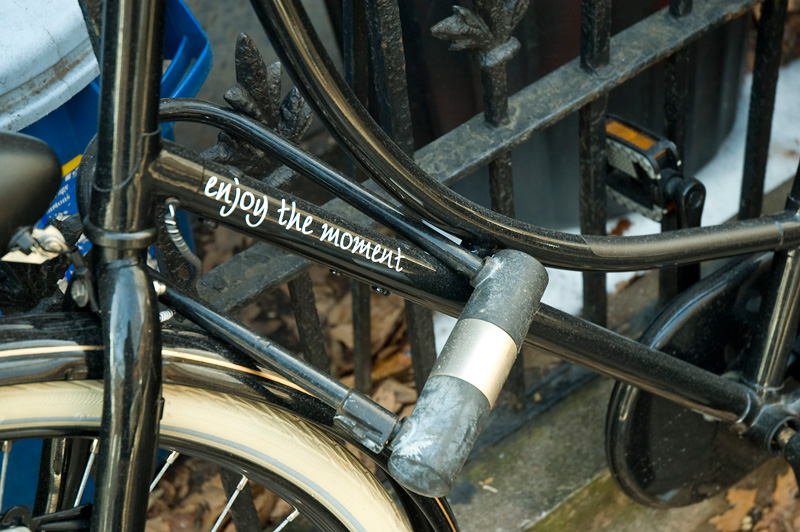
x: 133, y: 166
x: 214, y: 193
x: 121, y: 228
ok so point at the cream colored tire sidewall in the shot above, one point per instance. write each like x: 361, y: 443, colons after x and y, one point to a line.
x: 263, y: 436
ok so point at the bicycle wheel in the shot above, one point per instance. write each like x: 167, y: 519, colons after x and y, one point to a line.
x: 292, y: 458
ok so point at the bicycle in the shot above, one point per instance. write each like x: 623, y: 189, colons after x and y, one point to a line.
x: 224, y: 390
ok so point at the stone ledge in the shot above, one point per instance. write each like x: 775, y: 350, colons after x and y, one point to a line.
x: 551, y: 476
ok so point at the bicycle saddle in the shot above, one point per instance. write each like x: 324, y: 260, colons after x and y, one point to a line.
x: 30, y: 174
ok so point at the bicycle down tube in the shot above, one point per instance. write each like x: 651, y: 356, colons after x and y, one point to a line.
x: 196, y: 184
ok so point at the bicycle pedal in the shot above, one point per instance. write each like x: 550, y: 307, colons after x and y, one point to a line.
x: 641, y: 164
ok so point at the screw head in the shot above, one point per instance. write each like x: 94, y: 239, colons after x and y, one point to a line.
x: 53, y: 244
x: 695, y: 198
x: 79, y: 293
x: 380, y: 290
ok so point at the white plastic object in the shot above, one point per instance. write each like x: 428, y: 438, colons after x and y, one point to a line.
x: 45, y: 59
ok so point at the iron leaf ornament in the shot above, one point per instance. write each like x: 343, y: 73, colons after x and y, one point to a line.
x: 465, y: 30
x: 485, y: 30
x: 257, y: 93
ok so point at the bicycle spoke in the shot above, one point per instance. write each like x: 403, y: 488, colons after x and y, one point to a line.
x: 239, y: 488
x: 86, y: 471
x: 291, y: 517
x: 4, y: 471
x: 170, y: 460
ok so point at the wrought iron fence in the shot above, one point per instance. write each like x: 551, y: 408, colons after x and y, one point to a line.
x: 375, y: 66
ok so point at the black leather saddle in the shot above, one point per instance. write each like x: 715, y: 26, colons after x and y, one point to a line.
x: 30, y: 174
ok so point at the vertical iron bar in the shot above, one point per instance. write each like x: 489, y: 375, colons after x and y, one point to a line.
x: 362, y: 332
x: 762, y: 105
x: 355, y: 48
x: 120, y: 226
x: 780, y: 315
x: 595, y: 49
x: 680, y: 8
x: 421, y: 338
x: 501, y: 185
x: 391, y: 88
x: 419, y: 321
x: 494, y: 81
x: 672, y: 281
x: 676, y: 99
x: 592, y: 118
x: 389, y: 71
x: 495, y: 94
x: 356, y: 67
x: 304, y: 306
x: 335, y: 9
x: 595, y: 33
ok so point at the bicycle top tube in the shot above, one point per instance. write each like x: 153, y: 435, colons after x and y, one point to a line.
x: 297, y: 43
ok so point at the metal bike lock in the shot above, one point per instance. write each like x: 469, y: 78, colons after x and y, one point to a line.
x: 433, y: 443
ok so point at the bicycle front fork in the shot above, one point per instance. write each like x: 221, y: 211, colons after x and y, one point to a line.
x: 119, y: 224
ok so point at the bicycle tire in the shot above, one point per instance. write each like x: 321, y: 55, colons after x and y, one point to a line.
x: 265, y: 443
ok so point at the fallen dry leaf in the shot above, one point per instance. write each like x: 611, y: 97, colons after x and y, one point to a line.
x: 280, y: 511
x: 387, y: 400
x: 623, y: 225
x: 393, y: 396
x: 386, y: 314
x: 392, y: 366
x: 779, y: 516
x: 742, y: 501
x: 265, y: 502
x: 405, y: 411
x: 219, y: 245
x: 622, y: 285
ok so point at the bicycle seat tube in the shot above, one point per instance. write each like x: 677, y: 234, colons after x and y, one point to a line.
x: 120, y: 228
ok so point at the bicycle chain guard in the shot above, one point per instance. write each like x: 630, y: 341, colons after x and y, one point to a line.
x: 661, y: 454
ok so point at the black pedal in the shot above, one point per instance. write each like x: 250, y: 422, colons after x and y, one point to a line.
x: 641, y: 165
x: 645, y: 176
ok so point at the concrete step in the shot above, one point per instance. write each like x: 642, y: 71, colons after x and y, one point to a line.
x: 551, y: 476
